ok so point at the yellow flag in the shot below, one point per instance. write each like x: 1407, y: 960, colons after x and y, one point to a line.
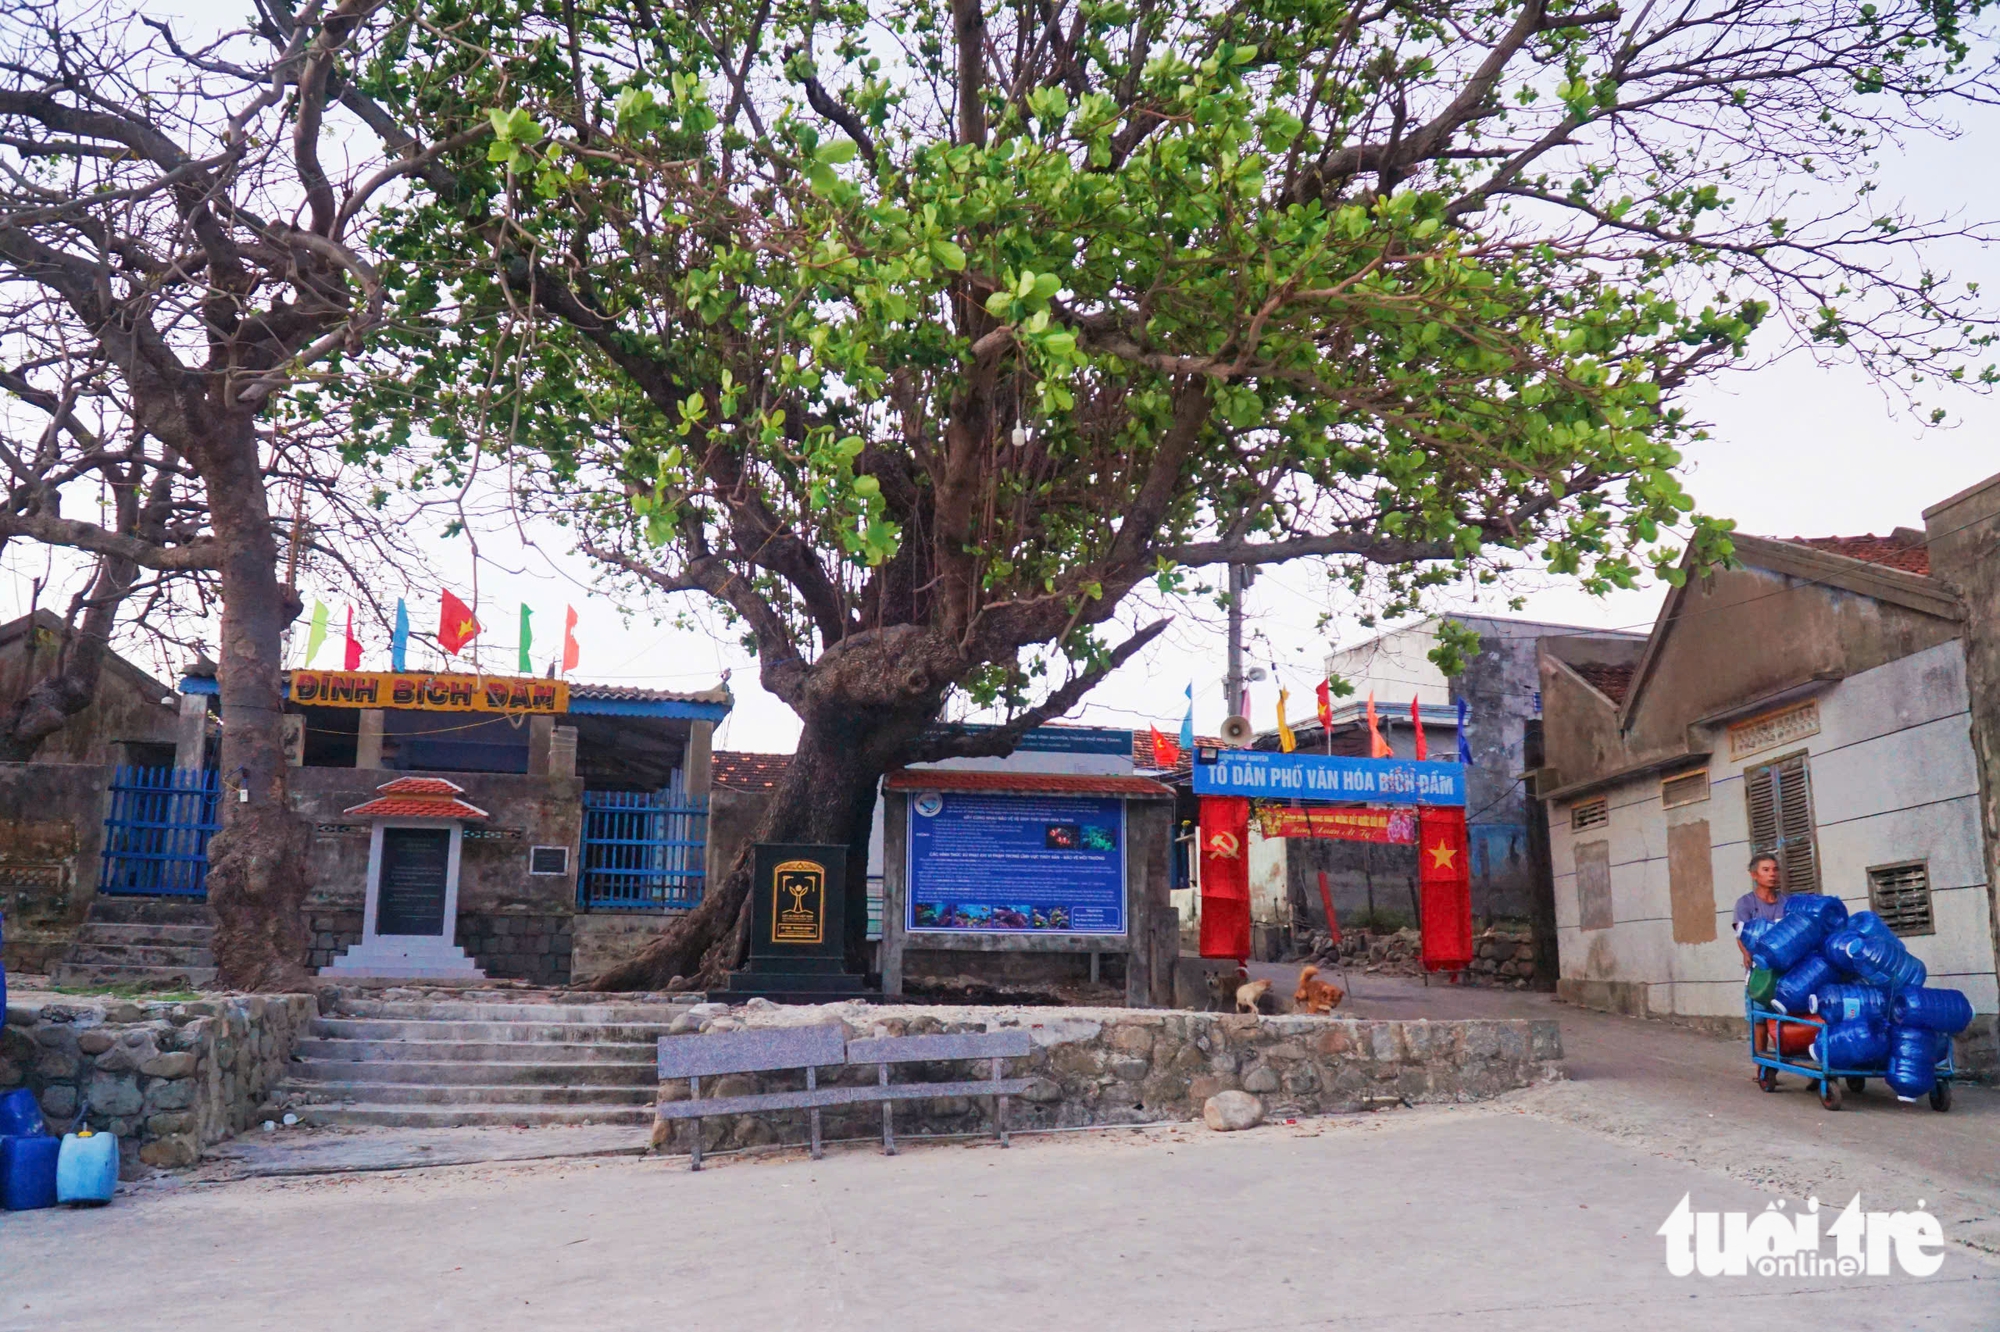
x: 1286, y: 741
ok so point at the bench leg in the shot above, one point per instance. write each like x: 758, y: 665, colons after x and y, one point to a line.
x: 812, y: 1084
x: 999, y: 1109
x: 888, y: 1113
x: 694, y: 1094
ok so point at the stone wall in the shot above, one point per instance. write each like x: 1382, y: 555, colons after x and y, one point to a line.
x: 51, y: 842
x: 507, y: 945
x: 167, y: 1078
x: 1095, y: 1067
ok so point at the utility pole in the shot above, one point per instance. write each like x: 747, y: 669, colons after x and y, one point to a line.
x: 1232, y: 681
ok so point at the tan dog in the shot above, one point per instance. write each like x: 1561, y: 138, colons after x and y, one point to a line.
x: 1315, y: 995
x: 1254, y: 997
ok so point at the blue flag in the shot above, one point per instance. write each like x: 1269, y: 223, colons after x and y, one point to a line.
x: 1187, y: 723
x: 1464, y: 746
x: 399, y: 641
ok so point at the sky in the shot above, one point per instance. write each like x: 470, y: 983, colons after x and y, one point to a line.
x: 1795, y: 449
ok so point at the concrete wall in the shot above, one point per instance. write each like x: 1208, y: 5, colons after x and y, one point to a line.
x: 127, y: 711
x: 1109, y: 1066
x: 51, y: 845
x: 1892, y: 779
x: 1147, y: 948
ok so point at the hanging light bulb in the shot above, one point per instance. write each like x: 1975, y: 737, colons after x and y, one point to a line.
x: 1020, y: 437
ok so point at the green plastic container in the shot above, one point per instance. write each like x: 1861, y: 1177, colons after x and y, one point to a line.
x: 1762, y: 984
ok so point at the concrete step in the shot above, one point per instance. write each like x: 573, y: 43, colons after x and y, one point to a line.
x: 410, y: 1072
x: 511, y: 1052
x: 151, y: 978
x: 473, y: 1010
x: 442, y: 1116
x: 396, y: 1093
x: 107, y: 932
x: 140, y: 955
x: 579, y: 1033
x: 113, y: 909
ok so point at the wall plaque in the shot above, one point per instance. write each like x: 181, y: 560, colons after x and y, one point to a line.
x: 415, y: 873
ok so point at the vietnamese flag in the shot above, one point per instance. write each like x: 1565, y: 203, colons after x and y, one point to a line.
x: 1444, y: 878
x: 457, y: 625
x: 1324, y: 694
x: 1166, y: 754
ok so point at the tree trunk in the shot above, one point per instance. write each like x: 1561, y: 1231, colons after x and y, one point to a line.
x: 257, y: 863
x: 72, y: 685
x: 827, y: 796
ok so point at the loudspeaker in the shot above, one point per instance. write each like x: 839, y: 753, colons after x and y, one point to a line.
x: 1237, y: 732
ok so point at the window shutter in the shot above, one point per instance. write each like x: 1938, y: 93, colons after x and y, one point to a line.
x: 1760, y: 797
x: 1798, y: 853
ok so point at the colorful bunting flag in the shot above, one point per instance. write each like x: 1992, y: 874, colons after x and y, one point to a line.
x: 399, y: 640
x: 351, y: 658
x: 570, y: 649
x: 1417, y: 720
x: 457, y: 625
x: 1377, y: 746
x: 527, y: 641
x: 316, y: 633
x: 1464, y: 745
x: 1187, y: 722
x: 1286, y: 740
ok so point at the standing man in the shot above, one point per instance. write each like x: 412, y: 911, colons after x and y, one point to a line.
x: 1762, y: 902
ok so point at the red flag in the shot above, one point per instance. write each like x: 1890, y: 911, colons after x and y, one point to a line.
x: 352, y: 659
x: 1417, y: 720
x: 1324, y: 693
x: 1166, y: 754
x: 1326, y: 900
x: 570, y: 649
x: 1444, y: 879
x: 1377, y: 746
x: 1225, y: 877
x: 456, y: 625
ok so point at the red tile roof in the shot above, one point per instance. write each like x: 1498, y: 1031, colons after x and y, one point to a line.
x: 420, y: 786
x: 1025, y: 783
x: 1909, y: 556
x: 1142, y: 746
x: 417, y: 807
x: 747, y: 772
x: 1611, y: 681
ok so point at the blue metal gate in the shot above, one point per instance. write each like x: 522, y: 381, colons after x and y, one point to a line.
x: 642, y: 850
x: 156, y: 836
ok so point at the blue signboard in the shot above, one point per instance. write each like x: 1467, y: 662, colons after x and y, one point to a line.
x: 1267, y: 773
x: 1042, y: 864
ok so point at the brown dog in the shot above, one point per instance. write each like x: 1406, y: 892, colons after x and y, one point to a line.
x: 1254, y: 997
x: 1315, y: 995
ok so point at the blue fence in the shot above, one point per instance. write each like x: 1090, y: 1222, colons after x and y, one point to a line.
x: 156, y: 837
x: 642, y: 850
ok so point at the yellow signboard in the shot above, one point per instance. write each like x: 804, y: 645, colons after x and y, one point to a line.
x: 428, y: 693
x: 798, y: 912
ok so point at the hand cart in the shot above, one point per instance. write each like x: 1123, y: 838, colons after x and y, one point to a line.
x: 1772, y: 1062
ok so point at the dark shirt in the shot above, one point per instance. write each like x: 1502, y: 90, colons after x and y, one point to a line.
x: 1751, y: 907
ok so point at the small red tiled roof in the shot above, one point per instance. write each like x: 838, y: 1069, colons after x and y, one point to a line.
x: 1611, y: 681
x: 1142, y: 746
x: 420, y: 786
x: 1025, y: 783
x: 417, y: 807
x: 747, y: 772
x: 1909, y: 556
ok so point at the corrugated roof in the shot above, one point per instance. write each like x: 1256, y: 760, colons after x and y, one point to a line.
x: 417, y: 807
x: 1895, y: 551
x: 1026, y: 783
x: 633, y: 694
x: 1611, y: 681
x: 747, y: 772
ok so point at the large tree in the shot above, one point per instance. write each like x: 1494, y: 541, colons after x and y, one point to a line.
x: 178, y: 253
x: 919, y: 335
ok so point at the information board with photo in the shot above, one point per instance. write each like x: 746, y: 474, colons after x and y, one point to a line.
x: 1044, y: 864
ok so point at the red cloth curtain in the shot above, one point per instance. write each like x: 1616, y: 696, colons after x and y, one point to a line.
x: 1444, y: 885
x: 1225, y: 877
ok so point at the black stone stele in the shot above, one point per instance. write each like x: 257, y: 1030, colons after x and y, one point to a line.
x: 798, y: 910
x: 415, y: 869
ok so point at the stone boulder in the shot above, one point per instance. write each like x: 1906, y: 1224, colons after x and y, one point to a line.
x: 1228, y: 1111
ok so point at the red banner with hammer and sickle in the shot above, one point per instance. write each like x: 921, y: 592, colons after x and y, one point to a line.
x: 1225, y: 877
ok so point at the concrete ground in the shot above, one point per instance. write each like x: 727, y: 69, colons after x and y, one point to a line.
x: 1536, y: 1211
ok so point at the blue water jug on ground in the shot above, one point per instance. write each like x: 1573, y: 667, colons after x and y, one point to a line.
x: 87, y: 1168
x: 1852, y: 1045
x: 28, y: 1172
x: 1795, y: 988
x: 20, y: 1116
x: 1855, y: 1002
x: 1788, y: 942
x: 1912, y: 1063
x: 1830, y: 912
x: 1934, y: 1010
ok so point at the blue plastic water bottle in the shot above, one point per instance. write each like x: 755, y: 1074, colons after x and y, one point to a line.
x: 1787, y: 942
x: 1852, y: 1045
x: 1912, y: 1063
x: 1882, y: 960
x: 1851, y: 1002
x: 1830, y: 912
x: 1753, y: 931
x: 1794, y: 992
x: 1940, y: 1010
